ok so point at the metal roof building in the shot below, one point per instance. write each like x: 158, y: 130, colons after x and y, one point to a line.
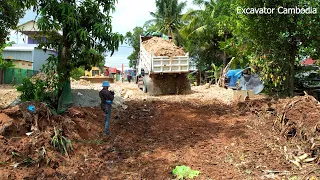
x: 27, y: 53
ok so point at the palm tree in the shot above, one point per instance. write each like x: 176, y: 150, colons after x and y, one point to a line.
x: 197, y: 21
x: 167, y: 17
x: 210, y: 22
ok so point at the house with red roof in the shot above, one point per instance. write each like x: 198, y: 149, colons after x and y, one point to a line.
x: 309, y: 61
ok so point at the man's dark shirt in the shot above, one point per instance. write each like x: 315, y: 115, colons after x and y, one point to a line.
x: 105, y: 95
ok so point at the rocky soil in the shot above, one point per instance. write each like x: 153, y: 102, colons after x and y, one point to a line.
x: 161, y: 47
x: 150, y: 136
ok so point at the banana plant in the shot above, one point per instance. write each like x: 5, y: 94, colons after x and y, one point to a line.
x: 216, y: 72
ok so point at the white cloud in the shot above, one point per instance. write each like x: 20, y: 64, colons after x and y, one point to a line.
x: 130, y: 14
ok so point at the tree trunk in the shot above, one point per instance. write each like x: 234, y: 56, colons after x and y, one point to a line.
x: 224, y: 56
x: 64, y: 91
x: 64, y: 56
x: 293, y: 52
x: 224, y: 59
x: 63, y: 62
x: 291, y: 77
x: 200, y: 76
x: 1, y: 76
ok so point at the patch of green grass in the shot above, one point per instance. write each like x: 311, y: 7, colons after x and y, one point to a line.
x: 24, y: 160
x: 61, y: 143
x: 28, y: 162
x: 182, y: 172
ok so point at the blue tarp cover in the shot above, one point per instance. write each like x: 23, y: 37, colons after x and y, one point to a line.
x: 234, y: 75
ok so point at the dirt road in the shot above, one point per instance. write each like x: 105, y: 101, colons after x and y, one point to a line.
x: 152, y: 136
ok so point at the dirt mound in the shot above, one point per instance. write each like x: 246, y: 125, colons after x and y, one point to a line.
x: 5, y: 122
x: 161, y: 47
x: 80, y: 82
x: 298, y: 121
x: 294, y: 119
x: 151, y: 137
x: 23, y: 145
x: 299, y: 117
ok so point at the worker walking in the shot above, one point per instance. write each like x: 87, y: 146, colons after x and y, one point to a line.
x: 106, y: 97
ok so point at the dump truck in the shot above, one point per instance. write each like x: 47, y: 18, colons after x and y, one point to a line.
x: 162, y: 67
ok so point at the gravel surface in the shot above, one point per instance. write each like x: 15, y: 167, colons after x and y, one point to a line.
x: 198, y: 94
x: 7, y: 95
x: 86, y: 94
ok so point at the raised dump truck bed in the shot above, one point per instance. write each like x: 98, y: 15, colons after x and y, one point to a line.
x: 159, y: 73
x: 153, y: 64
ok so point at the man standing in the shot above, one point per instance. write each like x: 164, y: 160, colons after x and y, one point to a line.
x: 106, y: 97
x: 129, y: 77
x: 122, y: 77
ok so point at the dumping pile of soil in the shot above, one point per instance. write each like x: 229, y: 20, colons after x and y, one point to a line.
x: 161, y: 47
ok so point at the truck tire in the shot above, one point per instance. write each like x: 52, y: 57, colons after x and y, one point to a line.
x: 145, y: 84
x: 144, y: 88
x: 138, y: 78
x: 140, y: 82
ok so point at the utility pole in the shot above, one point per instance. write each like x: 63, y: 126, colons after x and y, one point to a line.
x: 122, y: 69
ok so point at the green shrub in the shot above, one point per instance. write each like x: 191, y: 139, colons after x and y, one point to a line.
x: 27, y: 90
x: 36, y: 91
x: 191, y: 78
x: 43, y: 88
x: 77, y: 73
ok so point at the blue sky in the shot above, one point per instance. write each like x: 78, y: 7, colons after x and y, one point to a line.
x: 128, y: 15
